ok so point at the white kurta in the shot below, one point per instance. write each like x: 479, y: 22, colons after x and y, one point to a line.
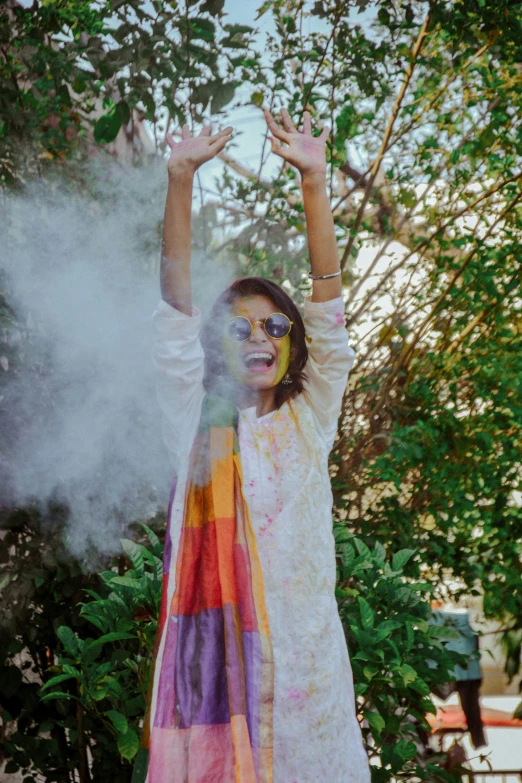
x: 286, y: 483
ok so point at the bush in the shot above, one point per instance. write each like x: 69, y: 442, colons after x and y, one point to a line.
x: 92, y: 656
x: 108, y: 675
x: 93, y: 698
x: 397, y: 657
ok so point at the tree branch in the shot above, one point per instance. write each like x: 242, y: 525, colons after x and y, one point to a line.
x: 384, y: 144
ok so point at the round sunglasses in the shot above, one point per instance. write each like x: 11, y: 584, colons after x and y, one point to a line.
x: 276, y: 326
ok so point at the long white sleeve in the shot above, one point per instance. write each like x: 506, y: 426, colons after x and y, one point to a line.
x: 330, y: 359
x: 179, y: 360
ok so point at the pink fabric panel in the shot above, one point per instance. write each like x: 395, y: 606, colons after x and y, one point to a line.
x: 210, y: 755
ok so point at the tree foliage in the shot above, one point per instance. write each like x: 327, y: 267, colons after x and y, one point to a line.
x: 425, y: 154
x: 94, y: 695
x: 74, y: 71
x: 88, y: 639
x: 397, y: 657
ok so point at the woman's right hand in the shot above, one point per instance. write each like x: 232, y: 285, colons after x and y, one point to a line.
x: 192, y: 151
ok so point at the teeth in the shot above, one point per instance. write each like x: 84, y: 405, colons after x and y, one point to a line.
x: 259, y: 356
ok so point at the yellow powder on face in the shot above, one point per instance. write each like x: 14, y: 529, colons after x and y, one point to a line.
x: 234, y: 362
x: 284, y: 358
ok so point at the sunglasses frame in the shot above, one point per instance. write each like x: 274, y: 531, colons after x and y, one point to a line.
x: 254, y: 323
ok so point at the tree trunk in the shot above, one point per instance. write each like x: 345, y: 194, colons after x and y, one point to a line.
x: 83, y: 763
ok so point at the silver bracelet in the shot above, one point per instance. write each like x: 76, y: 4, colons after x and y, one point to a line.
x: 324, y: 277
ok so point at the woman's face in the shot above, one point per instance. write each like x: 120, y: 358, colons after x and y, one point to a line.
x: 259, y: 362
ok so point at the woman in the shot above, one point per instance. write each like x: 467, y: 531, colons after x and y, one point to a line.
x: 252, y: 681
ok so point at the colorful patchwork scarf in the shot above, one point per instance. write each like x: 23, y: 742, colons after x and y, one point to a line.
x: 212, y: 710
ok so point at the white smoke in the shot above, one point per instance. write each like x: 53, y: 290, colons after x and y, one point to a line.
x: 82, y: 421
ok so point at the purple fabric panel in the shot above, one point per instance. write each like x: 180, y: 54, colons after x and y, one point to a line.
x: 201, y: 677
x: 167, y: 551
x: 253, y: 660
x: 165, y: 717
x: 235, y: 662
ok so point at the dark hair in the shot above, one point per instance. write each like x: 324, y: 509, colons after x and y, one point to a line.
x: 211, y: 335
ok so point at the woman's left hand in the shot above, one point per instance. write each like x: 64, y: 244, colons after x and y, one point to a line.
x: 304, y: 151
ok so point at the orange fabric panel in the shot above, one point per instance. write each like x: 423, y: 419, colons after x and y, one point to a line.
x: 225, y: 530
x: 221, y: 445
x: 245, y: 771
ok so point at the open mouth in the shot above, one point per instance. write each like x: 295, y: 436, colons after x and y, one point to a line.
x: 259, y: 361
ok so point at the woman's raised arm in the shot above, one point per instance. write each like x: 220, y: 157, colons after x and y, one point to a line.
x: 307, y: 154
x: 186, y: 157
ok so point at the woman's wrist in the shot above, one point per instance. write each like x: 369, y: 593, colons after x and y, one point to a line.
x: 313, y: 179
x: 181, y: 172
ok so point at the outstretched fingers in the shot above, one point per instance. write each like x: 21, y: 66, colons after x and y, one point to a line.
x: 325, y: 133
x: 219, y: 144
x: 223, y: 134
x: 288, y: 122
x: 278, y: 149
x: 274, y: 127
x: 307, y: 124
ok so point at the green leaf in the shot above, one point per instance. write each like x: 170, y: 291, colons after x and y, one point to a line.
x: 128, y: 744
x: 410, y: 636
x: 408, y: 198
x: 118, y: 720
x: 154, y: 540
x: 375, y: 720
x: 443, y: 632
x: 407, y: 673
x: 400, y: 559
x: 4, y: 581
x: 123, y: 111
x: 68, y: 639
x: 107, y: 127
x: 56, y: 680
x: 114, y: 636
x: 426, y: 705
x: 420, y: 686
x: 346, y: 592
x: 72, y: 670
x: 366, y: 611
x: 362, y: 549
x: 134, y: 553
x: 379, y: 552
x: 405, y: 749
x: 202, y: 28
x: 213, y: 7
x: 386, y: 628
x: 222, y: 96
x: 57, y: 695
x: 127, y: 581
x: 141, y: 764
x: 238, y: 28
x: 101, y: 624
x: 347, y: 555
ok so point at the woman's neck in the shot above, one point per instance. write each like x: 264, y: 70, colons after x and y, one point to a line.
x: 262, y: 400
